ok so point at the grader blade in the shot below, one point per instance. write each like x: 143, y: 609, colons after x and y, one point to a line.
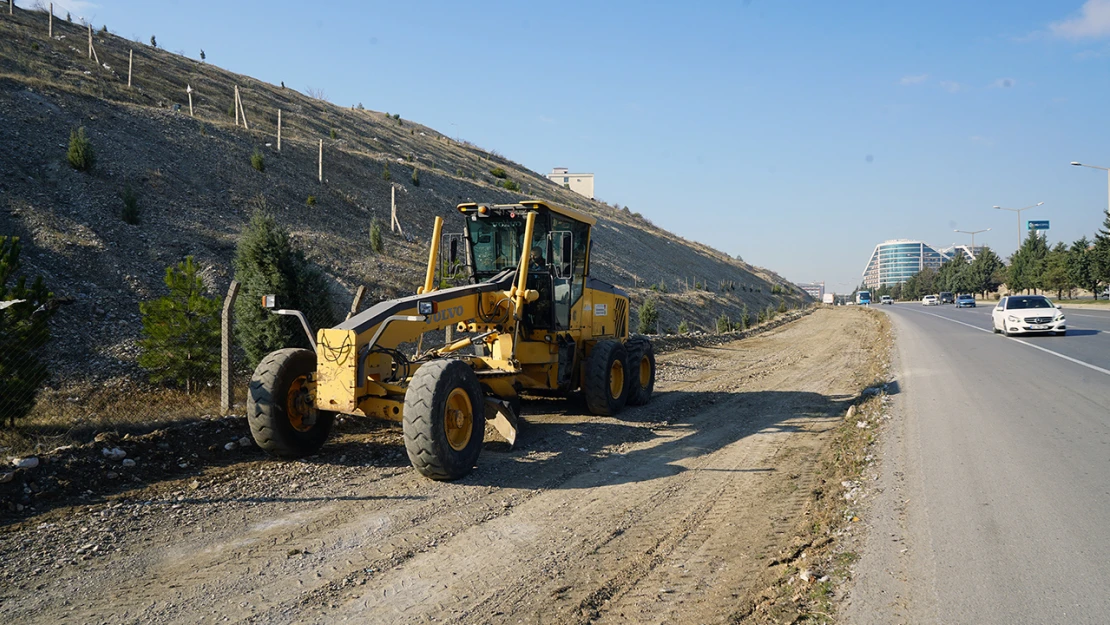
x: 501, y: 416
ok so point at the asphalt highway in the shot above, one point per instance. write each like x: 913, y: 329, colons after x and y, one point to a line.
x: 993, y: 495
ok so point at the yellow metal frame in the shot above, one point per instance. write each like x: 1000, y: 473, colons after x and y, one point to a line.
x: 351, y: 378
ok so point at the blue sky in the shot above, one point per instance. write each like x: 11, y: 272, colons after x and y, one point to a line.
x: 796, y: 134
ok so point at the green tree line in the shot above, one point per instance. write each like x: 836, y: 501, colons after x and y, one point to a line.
x: 1059, y: 269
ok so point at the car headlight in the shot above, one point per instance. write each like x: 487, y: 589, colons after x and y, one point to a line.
x: 1013, y: 319
x: 1060, y: 318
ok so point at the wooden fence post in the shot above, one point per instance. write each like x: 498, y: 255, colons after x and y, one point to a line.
x: 279, y: 130
x: 392, y: 208
x: 355, y: 303
x: 235, y: 97
x: 50, y: 28
x: 130, y: 58
x: 189, y: 91
x: 320, y: 175
x: 242, y: 109
x: 92, y: 50
x: 225, y: 347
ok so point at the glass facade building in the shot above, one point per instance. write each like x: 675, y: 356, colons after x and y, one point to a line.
x: 893, y: 262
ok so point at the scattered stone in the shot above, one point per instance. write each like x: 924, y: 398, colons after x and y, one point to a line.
x: 6, y: 477
x: 851, y: 412
x: 114, y: 453
x: 194, y: 485
x: 230, y: 446
x: 111, y: 475
x: 806, y: 575
x: 128, y: 462
x: 25, y: 463
x: 245, y: 441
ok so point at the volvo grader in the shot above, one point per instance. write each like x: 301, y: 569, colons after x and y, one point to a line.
x: 525, y: 316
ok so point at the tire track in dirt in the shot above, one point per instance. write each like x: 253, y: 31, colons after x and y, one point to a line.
x: 668, y: 512
x: 561, y: 559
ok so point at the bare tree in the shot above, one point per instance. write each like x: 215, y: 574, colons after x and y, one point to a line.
x: 317, y: 94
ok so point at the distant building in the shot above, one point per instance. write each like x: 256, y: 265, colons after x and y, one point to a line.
x: 969, y: 253
x: 816, y: 290
x: 582, y: 184
x: 893, y: 262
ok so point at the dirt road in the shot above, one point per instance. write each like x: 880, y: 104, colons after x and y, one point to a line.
x: 667, y: 513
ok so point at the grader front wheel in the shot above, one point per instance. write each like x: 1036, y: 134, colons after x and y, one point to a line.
x: 282, y: 417
x: 444, y: 419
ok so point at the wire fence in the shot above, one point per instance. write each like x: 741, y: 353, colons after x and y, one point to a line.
x: 130, y: 372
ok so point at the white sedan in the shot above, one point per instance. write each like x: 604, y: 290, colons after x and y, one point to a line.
x: 930, y: 300
x: 1023, y: 314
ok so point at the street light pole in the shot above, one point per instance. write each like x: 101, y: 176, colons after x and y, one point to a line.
x: 1018, y: 211
x: 1107, y: 170
x: 975, y: 232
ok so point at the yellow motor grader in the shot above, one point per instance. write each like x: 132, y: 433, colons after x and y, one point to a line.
x: 525, y: 317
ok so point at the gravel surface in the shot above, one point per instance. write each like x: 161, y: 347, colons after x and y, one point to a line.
x: 669, y: 512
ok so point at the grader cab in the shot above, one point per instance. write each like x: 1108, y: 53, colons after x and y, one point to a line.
x: 525, y: 316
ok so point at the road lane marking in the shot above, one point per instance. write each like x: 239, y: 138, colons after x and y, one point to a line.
x: 1043, y: 349
x: 1103, y: 317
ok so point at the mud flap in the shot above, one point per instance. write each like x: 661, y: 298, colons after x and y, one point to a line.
x: 501, y: 416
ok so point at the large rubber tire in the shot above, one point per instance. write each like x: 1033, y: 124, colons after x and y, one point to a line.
x: 282, y: 420
x: 641, y: 370
x: 606, y: 386
x: 444, y: 419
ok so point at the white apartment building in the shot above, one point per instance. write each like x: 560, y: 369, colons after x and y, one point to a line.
x: 582, y: 184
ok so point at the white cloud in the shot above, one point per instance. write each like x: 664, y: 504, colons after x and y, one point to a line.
x: 1093, y: 21
x: 1088, y: 55
x: 951, y: 86
x: 1003, y: 83
x: 913, y: 80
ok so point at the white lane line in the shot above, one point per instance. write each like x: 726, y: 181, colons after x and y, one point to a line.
x: 1071, y: 314
x: 1045, y: 350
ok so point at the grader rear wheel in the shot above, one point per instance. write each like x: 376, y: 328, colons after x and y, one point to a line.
x: 606, y: 385
x: 282, y: 417
x: 444, y: 419
x: 641, y: 370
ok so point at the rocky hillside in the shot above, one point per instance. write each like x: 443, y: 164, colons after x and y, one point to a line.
x: 196, y: 188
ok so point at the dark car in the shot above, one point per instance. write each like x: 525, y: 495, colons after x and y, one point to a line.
x: 946, y: 297
x: 965, y: 301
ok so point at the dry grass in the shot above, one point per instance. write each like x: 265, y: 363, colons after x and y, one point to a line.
x: 76, y: 414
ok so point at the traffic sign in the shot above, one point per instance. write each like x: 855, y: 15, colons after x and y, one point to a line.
x: 1038, y: 225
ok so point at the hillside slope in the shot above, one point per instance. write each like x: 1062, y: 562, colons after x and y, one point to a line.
x: 196, y: 189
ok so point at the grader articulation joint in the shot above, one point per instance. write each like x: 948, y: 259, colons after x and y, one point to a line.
x: 530, y: 317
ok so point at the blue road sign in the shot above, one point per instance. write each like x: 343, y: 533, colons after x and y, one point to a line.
x: 1038, y: 225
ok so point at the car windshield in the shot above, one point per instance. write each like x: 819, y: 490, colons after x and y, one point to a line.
x: 1016, y: 303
